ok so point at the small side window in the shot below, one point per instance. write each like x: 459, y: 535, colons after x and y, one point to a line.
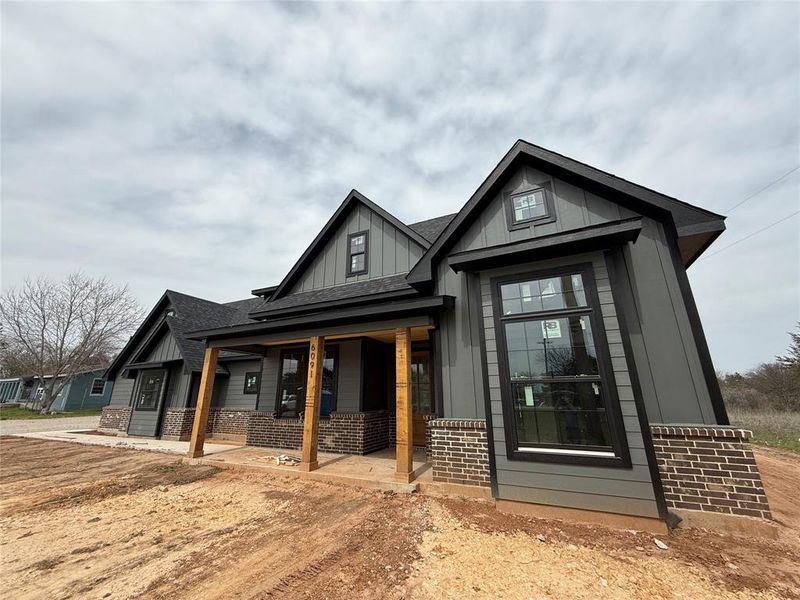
x: 251, y: 379
x: 357, y: 253
x: 531, y: 206
x: 98, y: 387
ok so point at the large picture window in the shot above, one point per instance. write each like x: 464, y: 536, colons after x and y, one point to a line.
x: 558, y: 391
x: 291, y: 400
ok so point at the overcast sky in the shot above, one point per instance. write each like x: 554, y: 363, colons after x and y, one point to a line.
x: 201, y: 147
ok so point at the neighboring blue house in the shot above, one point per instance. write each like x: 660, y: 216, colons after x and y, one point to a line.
x: 87, y: 390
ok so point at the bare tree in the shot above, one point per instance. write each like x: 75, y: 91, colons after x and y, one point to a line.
x: 62, y: 328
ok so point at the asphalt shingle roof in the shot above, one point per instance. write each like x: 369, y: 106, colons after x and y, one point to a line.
x: 192, y: 313
x: 432, y: 228
x: 340, y: 292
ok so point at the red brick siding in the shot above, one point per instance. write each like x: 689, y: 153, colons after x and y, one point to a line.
x: 342, y: 433
x: 115, y: 417
x: 459, y: 451
x: 177, y: 424
x: 709, y: 469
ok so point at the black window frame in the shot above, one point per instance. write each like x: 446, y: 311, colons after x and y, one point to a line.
x: 548, y: 217
x: 162, y: 392
x: 329, y: 351
x: 616, y: 426
x: 91, y: 387
x: 258, y: 383
x: 350, y: 254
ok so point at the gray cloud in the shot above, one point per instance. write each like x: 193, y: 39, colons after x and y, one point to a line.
x: 202, y: 146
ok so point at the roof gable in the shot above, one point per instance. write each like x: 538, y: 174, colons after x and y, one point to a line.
x: 352, y: 202
x: 190, y: 313
x: 688, y: 219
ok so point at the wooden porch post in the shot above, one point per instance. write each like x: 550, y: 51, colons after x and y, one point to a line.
x: 203, y: 402
x: 405, y: 444
x: 316, y: 358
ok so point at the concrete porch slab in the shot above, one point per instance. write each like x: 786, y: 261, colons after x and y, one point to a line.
x: 373, y: 471
x: 112, y: 441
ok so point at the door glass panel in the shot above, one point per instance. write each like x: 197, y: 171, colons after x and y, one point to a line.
x: 150, y: 390
x: 294, y: 376
x: 421, y: 396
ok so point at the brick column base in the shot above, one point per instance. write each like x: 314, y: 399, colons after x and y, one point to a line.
x: 177, y: 424
x: 709, y: 469
x: 459, y: 451
x: 115, y: 418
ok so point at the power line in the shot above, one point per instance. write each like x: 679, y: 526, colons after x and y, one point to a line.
x: 747, y: 237
x: 763, y: 189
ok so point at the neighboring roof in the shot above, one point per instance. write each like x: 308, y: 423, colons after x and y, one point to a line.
x: 341, y: 294
x: 352, y: 199
x: 246, y: 306
x: 688, y: 219
x: 432, y: 228
x: 191, y: 313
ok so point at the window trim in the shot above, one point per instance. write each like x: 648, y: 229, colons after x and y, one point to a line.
x: 548, y: 217
x: 258, y: 383
x: 620, y: 457
x: 334, y: 353
x: 91, y: 387
x: 161, y: 394
x: 350, y: 255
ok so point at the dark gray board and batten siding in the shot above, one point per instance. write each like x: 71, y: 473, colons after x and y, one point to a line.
x: 147, y: 422
x: 389, y: 252
x: 663, y: 341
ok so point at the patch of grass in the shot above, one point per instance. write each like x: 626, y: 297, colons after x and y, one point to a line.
x: 10, y: 414
x: 776, y: 429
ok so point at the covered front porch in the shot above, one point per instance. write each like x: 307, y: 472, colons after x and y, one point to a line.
x: 308, y: 411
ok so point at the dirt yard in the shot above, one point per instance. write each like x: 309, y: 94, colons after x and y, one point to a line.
x: 94, y: 522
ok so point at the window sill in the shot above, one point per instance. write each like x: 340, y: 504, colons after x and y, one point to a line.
x: 590, y: 458
x: 514, y: 225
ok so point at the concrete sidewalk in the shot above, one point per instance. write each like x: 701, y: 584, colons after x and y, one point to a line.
x: 15, y: 426
x: 136, y: 443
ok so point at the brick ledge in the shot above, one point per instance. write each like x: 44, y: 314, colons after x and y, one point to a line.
x: 717, y: 431
x: 457, y: 423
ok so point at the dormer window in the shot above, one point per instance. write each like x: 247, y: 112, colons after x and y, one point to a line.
x: 357, y: 253
x: 531, y: 206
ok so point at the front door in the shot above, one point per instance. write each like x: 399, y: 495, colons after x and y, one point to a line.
x: 148, y: 402
x: 421, y: 394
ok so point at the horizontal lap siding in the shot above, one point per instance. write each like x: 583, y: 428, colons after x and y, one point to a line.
x: 628, y: 491
x: 348, y: 393
x: 233, y: 396
x: 122, y: 391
